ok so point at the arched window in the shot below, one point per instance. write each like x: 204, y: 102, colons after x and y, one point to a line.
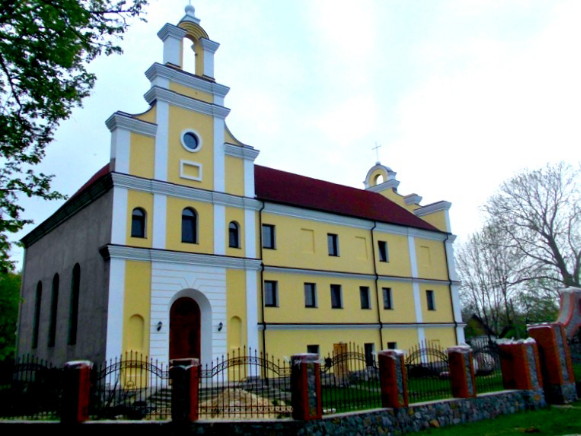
x: 189, y: 225
x: 74, y: 307
x: 233, y: 235
x: 138, y: 223
x: 54, y: 301
x: 37, y: 305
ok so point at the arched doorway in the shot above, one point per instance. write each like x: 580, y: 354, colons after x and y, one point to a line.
x: 184, y: 329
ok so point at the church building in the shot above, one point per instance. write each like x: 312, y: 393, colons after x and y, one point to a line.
x: 183, y: 246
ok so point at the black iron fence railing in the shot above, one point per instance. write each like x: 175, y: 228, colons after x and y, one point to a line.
x: 245, y: 384
x: 350, y: 381
x: 428, y: 372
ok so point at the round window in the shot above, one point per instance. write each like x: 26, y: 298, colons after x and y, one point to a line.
x: 191, y: 141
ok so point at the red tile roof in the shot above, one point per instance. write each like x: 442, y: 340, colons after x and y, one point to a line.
x: 290, y: 189
x: 294, y: 190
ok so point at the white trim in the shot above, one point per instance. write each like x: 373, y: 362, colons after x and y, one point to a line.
x: 161, y: 142
x: 119, y: 216
x: 177, y: 257
x: 186, y: 163
x: 219, y: 229
x: 416, y: 286
x: 158, y: 94
x: 159, y: 226
x: 115, y: 314
x: 432, y: 208
x: 185, y: 192
x: 252, y: 309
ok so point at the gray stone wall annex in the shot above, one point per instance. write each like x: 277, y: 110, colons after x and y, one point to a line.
x: 74, y: 234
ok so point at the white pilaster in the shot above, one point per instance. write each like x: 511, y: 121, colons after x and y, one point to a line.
x: 219, y: 229
x: 219, y: 155
x: 159, y: 225
x: 209, y: 47
x: 252, y: 309
x: 119, y: 218
x: 250, y: 233
x: 172, y: 37
x: 116, y: 301
x: 161, y: 141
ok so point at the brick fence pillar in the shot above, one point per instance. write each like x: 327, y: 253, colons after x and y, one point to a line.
x: 393, y: 379
x: 306, y: 387
x: 185, y: 385
x: 462, y: 379
x: 555, y: 360
x: 76, y: 392
x: 519, y: 362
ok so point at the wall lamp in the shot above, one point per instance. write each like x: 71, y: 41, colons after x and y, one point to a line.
x: 220, y: 325
x: 159, y: 325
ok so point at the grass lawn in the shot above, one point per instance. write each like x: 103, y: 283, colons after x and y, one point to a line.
x: 554, y: 421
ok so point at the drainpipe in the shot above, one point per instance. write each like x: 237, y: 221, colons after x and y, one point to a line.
x: 450, y: 287
x: 376, y: 286
x: 261, y: 279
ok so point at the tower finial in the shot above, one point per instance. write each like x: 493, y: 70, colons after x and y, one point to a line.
x: 376, y: 148
x: 191, y: 14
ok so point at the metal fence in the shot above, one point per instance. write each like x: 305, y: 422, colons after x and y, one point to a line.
x: 132, y: 387
x: 350, y: 381
x: 245, y: 384
x: 428, y: 372
x: 487, y: 368
x: 30, y: 389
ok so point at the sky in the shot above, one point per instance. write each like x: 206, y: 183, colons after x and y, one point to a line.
x: 455, y: 96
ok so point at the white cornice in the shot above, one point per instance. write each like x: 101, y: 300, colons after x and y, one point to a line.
x: 347, y: 275
x: 173, y: 190
x: 170, y: 30
x: 347, y: 326
x: 329, y: 218
x: 161, y: 94
x: 121, y: 120
x: 209, y: 45
x: 243, y: 152
x: 432, y: 208
x: 186, y: 79
x: 152, y: 255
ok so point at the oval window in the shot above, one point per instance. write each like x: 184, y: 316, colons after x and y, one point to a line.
x: 190, y: 141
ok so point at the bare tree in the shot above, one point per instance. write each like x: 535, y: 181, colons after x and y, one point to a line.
x: 539, y: 212
x: 488, y: 268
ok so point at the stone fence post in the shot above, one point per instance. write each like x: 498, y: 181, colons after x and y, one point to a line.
x: 555, y: 360
x: 306, y: 387
x: 76, y: 391
x: 462, y: 378
x: 185, y: 384
x: 520, y: 365
x: 393, y: 378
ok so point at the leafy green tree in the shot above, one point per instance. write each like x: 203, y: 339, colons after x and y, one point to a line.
x: 45, y: 48
x: 9, y: 301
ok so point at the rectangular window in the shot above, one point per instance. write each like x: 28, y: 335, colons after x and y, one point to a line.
x: 314, y: 349
x: 268, y: 236
x: 364, y: 296
x: 383, y: 252
x: 387, y: 300
x: 369, y: 354
x: 336, y: 300
x: 392, y: 345
x: 310, y: 295
x: 333, y: 244
x: 270, y: 293
x: 430, y: 300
